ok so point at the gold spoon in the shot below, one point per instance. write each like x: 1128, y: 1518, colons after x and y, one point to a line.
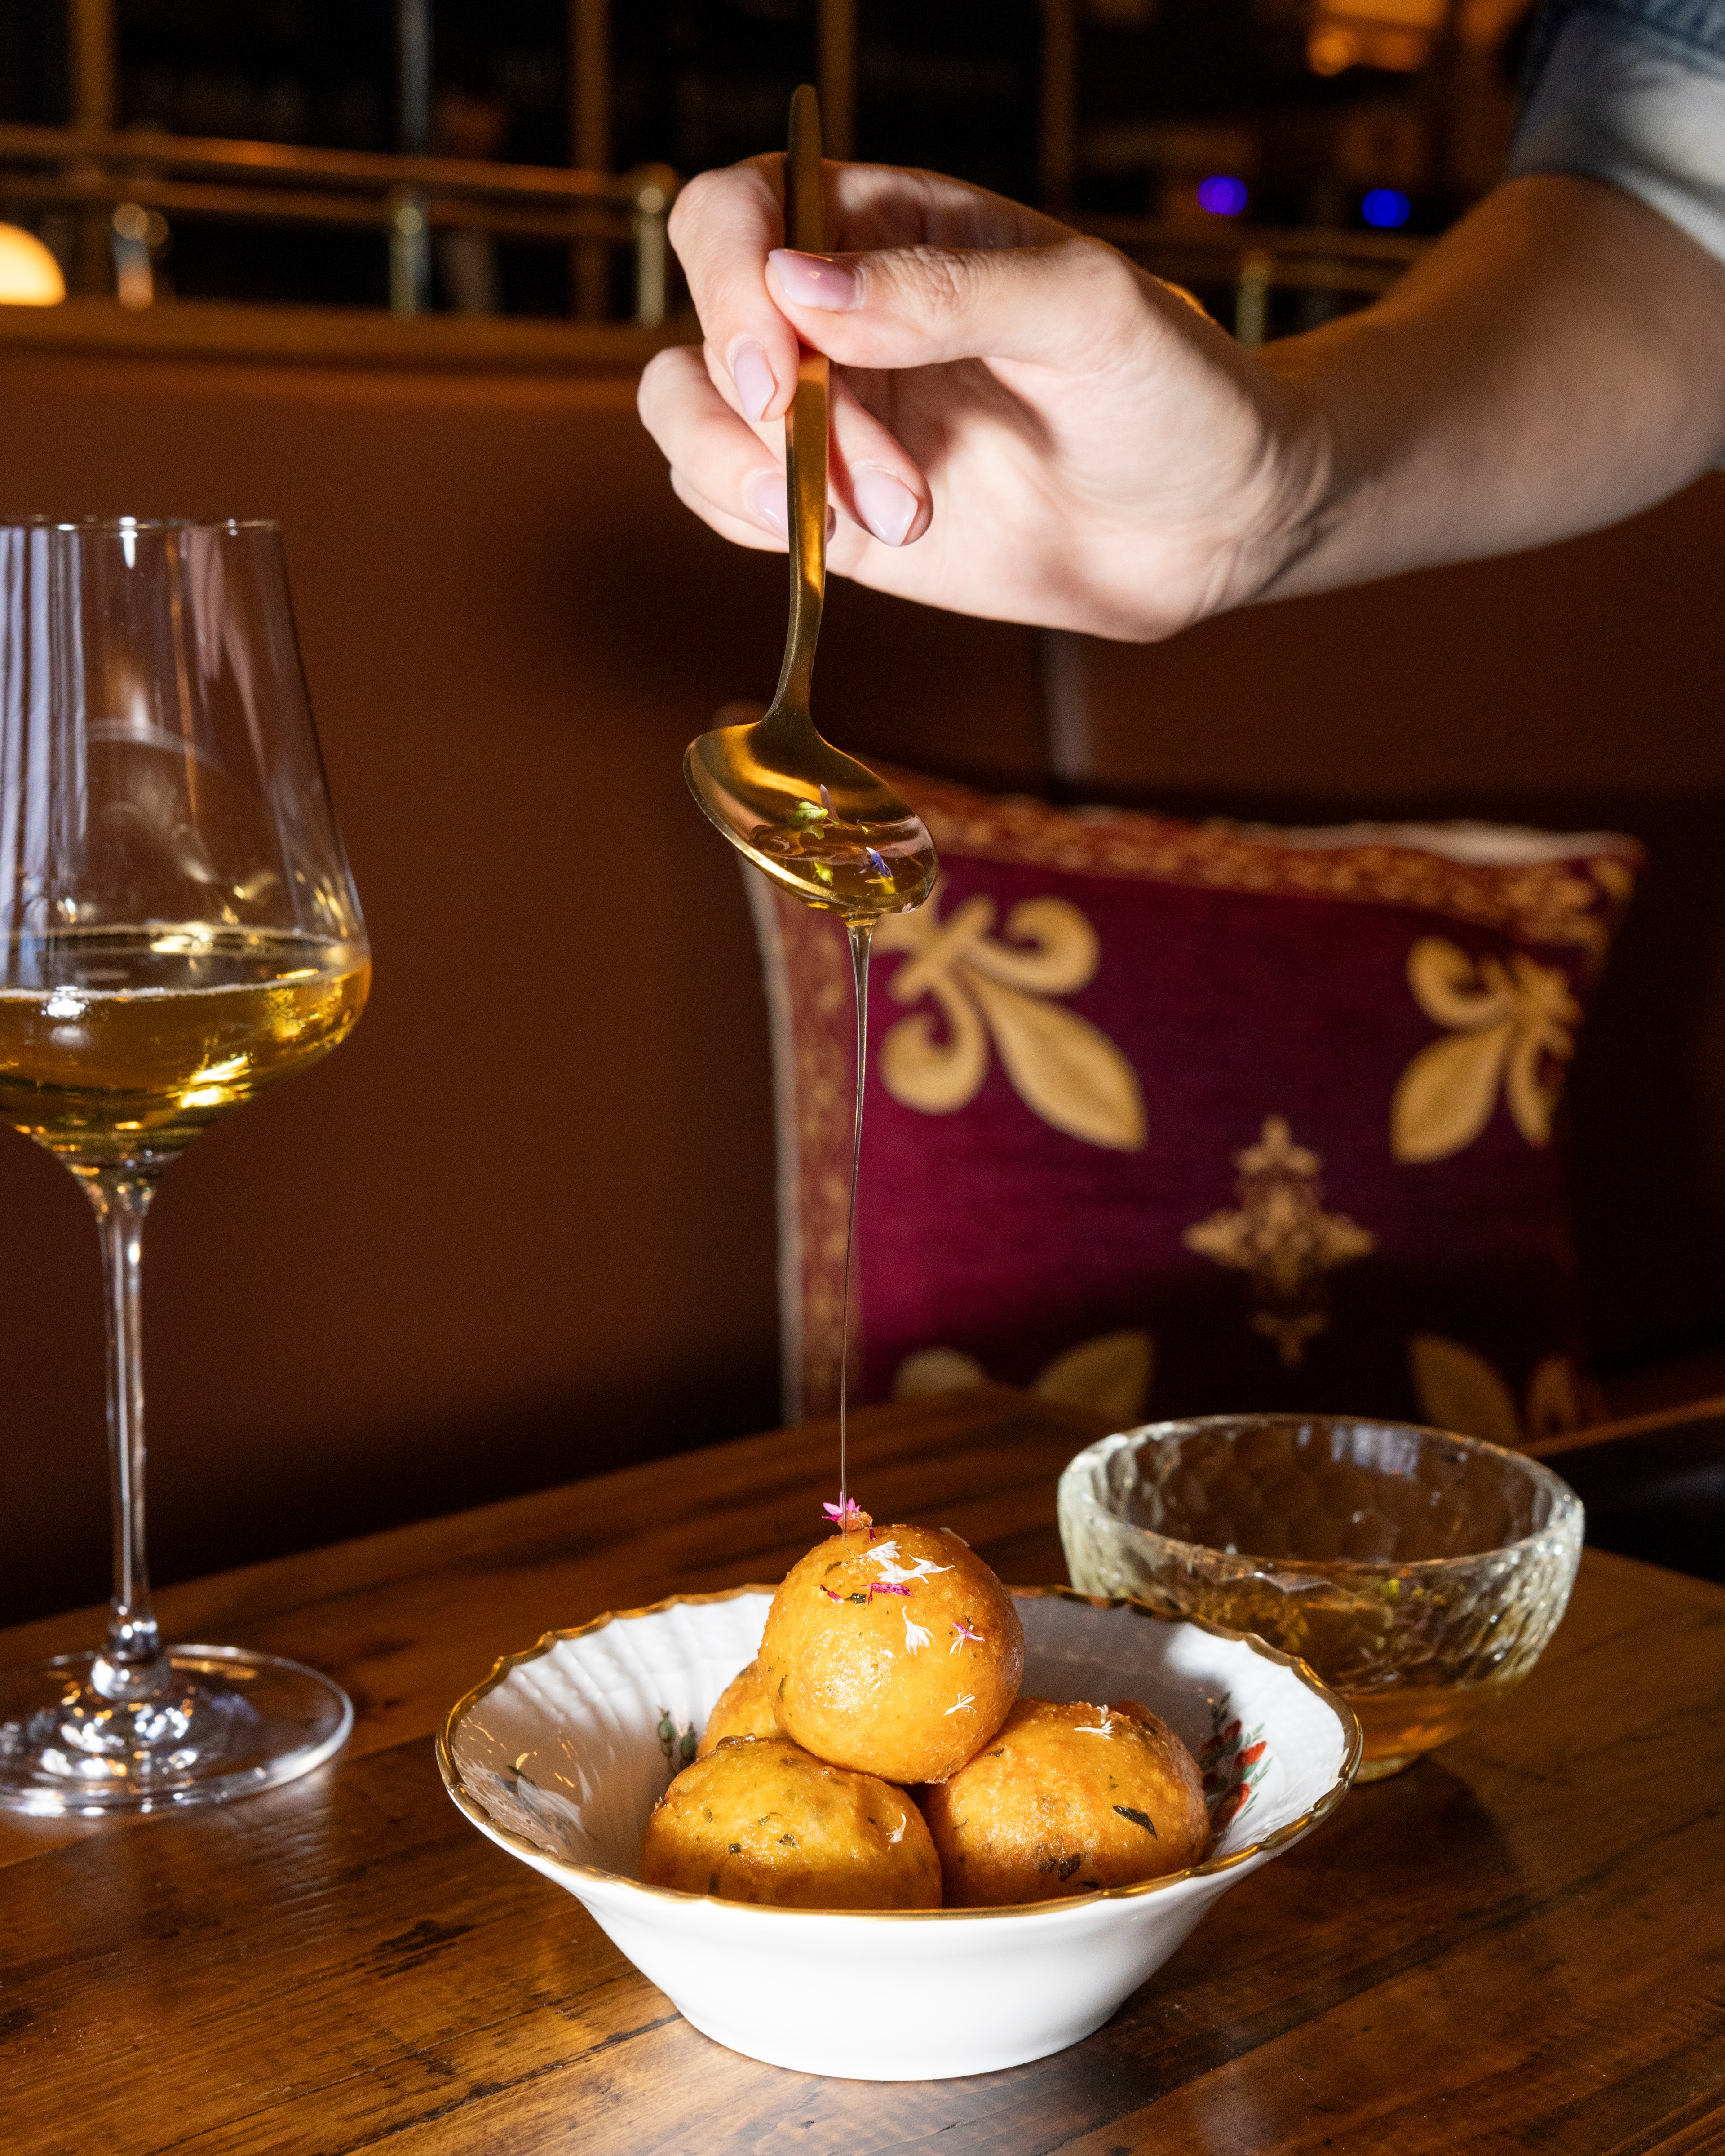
x: 819, y: 822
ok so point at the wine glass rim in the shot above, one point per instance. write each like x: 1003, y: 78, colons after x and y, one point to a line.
x: 118, y: 526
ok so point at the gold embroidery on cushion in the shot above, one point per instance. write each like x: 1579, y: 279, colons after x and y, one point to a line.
x: 1063, y: 1068
x: 1615, y: 878
x: 1110, y: 1374
x: 931, y: 1370
x: 1280, y: 1235
x: 1458, y: 1390
x: 1555, y: 1401
x: 1512, y: 1021
x: 1574, y: 900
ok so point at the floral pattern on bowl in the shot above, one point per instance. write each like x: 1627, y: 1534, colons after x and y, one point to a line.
x: 1233, y: 1762
x: 679, y: 1746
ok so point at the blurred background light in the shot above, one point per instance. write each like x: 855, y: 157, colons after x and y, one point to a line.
x: 1222, y: 195
x: 1385, y: 208
x: 1330, y: 49
x: 29, y: 275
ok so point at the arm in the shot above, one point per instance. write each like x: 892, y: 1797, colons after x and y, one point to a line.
x: 1557, y: 362
x: 1028, y: 428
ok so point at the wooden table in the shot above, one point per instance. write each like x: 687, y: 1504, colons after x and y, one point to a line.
x: 1519, y: 1945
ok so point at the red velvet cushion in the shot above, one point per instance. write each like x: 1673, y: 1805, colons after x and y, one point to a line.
x: 1182, y: 1119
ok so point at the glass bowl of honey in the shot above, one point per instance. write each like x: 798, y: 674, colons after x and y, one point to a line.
x: 1419, y: 1574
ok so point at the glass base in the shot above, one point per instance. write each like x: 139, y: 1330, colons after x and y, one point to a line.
x: 1401, y: 1723
x: 1381, y: 1770
x: 227, y: 1724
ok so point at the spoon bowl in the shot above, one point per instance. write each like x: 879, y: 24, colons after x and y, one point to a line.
x: 816, y: 820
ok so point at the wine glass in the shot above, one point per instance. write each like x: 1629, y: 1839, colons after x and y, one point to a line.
x: 177, y: 928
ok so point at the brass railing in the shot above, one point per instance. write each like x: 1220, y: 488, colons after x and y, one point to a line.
x: 122, y: 178
x: 128, y: 180
x: 1254, y: 260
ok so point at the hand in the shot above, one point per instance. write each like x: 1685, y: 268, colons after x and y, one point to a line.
x: 1025, y: 426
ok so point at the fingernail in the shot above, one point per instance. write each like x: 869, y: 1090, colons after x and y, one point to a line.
x: 815, y: 281
x: 755, y: 387
x: 763, y: 495
x: 885, y: 505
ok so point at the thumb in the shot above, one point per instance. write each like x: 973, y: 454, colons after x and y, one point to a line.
x: 1066, y: 305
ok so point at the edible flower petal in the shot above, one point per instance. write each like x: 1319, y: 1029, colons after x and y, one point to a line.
x: 886, y: 1556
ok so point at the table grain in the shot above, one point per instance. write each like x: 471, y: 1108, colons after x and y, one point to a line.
x: 1520, y: 1945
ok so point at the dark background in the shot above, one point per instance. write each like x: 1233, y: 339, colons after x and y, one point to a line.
x: 1168, y: 91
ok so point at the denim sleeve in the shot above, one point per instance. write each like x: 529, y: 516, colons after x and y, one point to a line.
x: 1632, y: 91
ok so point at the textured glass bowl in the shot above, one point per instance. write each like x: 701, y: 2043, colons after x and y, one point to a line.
x: 1419, y: 1574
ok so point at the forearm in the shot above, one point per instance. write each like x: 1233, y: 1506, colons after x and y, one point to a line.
x: 1557, y: 362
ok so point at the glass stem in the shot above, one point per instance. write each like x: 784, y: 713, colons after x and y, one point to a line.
x: 131, y: 1664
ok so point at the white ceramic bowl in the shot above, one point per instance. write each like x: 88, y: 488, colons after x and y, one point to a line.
x: 562, y: 1752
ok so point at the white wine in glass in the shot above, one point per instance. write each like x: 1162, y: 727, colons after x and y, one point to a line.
x: 178, y: 929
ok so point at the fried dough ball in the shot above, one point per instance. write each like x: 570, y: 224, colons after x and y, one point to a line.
x: 896, y: 1652
x: 758, y: 1819
x: 1065, y: 1800
x: 744, y: 1709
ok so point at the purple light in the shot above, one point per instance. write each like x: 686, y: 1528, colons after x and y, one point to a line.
x: 1385, y: 208
x: 1222, y: 195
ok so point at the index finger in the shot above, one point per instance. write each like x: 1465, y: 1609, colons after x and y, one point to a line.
x: 722, y: 225
x: 725, y: 223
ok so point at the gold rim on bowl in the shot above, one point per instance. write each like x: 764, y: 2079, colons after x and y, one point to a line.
x: 474, y: 1811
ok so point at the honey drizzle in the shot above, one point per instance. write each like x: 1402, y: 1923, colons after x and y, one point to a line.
x: 859, y: 928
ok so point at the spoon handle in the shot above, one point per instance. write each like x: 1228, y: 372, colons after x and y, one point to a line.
x: 805, y: 426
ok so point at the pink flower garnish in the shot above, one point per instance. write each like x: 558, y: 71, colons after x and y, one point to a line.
x: 886, y: 1587
x: 847, y: 1515
x: 830, y: 1596
x: 966, y: 1630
